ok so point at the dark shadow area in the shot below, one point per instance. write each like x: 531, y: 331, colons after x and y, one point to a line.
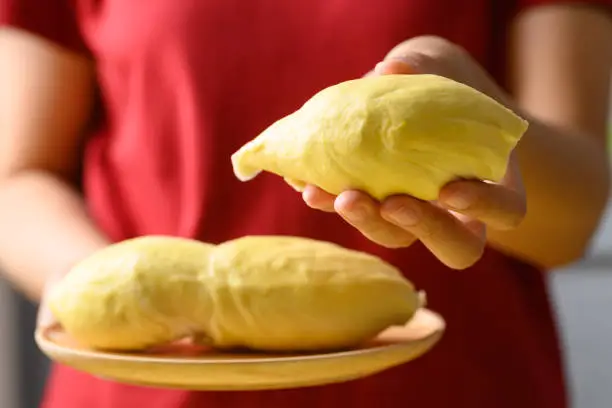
x: 33, y: 365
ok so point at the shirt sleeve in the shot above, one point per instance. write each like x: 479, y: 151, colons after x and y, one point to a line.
x: 54, y: 20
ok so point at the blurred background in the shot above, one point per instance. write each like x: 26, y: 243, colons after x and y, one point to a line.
x: 582, y: 294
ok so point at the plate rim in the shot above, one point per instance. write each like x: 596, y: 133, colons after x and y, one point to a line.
x: 48, y: 346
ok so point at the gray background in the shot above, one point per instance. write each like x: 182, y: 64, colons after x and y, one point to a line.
x: 582, y: 293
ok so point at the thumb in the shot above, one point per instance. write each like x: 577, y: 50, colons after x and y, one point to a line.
x: 393, y: 66
x: 410, y: 57
x: 419, y: 55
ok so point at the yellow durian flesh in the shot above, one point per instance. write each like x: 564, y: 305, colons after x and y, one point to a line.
x: 287, y: 293
x: 386, y: 135
x: 135, y: 294
x: 264, y: 293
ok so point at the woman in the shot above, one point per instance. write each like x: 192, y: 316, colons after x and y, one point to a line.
x: 184, y: 84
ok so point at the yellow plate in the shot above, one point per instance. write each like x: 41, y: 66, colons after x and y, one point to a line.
x: 213, y: 370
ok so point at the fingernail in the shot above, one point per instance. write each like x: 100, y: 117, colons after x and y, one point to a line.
x: 406, y: 217
x: 459, y: 201
x: 378, y: 67
x: 396, y: 65
x: 400, y: 60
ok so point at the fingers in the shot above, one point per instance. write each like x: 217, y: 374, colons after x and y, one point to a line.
x: 318, y: 199
x: 495, y: 205
x: 362, y: 212
x: 424, y: 54
x: 457, y: 241
x: 433, y: 55
x: 392, y: 67
x: 454, y: 243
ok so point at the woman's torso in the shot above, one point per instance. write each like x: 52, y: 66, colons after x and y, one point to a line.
x: 185, y: 83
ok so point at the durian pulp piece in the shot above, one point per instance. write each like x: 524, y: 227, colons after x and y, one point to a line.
x: 135, y: 294
x: 386, y: 135
x: 288, y: 293
x: 263, y: 292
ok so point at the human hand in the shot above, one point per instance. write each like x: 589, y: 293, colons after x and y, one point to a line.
x: 454, y: 227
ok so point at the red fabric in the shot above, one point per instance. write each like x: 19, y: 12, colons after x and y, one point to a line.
x: 185, y: 83
x: 54, y: 20
x: 522, y: 4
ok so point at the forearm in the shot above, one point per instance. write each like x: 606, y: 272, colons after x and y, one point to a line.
x: 45, y: 230
x: 567, y: 178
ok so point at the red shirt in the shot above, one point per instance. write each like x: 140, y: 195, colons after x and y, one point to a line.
x: 185, y: 83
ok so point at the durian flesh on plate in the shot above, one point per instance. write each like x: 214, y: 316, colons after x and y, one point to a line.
x: 266, y: 293
x: 387, y: 135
